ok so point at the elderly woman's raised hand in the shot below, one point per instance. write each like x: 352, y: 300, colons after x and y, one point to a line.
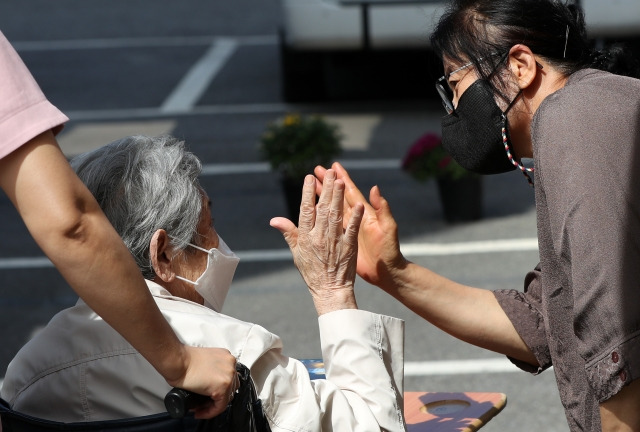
x: 379, y: 258
x: 325, y: 252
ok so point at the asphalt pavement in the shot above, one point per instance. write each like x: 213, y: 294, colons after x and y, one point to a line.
x: 120, y: 68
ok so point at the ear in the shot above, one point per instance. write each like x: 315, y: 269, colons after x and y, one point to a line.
x: 523, y: 65
x: 160, y: 255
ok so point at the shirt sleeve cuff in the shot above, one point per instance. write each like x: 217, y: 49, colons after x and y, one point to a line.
x: 29, y: 123
x: 616, y: 368
x: 529, y: 324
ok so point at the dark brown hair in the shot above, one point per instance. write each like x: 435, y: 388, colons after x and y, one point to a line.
x: 483, y: 32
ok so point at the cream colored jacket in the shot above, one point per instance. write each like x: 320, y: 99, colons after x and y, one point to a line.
x: 79, y: 369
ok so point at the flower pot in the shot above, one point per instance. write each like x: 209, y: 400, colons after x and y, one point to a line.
x: 461, y: 198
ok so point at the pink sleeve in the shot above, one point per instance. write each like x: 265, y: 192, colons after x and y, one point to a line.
x: 25, y: 112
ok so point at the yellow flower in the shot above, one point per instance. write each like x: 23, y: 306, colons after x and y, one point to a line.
x: 291, y: 119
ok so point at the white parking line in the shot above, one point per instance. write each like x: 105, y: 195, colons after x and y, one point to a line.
x: 451, y: 367
x: 24, y: 263
x: 459, y: 367
x: 144, y: 42
x: 273, y: 255
x: 263, y: 167
x: 154, y: 113
x: 417, y: 249
x: 195, y: 82
x: 485, y: 246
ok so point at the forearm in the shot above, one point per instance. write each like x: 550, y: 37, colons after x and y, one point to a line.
x: 621, y: 413
x: 101, y: 270
x: 67, y: 223
x: 469, y: 314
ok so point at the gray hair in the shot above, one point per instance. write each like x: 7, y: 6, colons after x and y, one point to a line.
x: 144, y: 184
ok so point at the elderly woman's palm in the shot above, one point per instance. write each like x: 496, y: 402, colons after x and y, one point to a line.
x: 323, y: 251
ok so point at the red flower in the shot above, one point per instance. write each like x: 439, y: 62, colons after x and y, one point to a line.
x: 444, y: 162
x: 425, y: 144
x: 426, y: 158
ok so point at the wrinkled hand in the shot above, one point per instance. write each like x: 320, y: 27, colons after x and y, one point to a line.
x: 211, y: 372
x: 325, y: 252
x: 379, y: 256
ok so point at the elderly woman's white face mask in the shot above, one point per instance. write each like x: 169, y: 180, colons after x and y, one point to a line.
x: 214, y: 283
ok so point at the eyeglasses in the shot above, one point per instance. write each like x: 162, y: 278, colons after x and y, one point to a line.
x: 443, y: 89
x: 442, y: 84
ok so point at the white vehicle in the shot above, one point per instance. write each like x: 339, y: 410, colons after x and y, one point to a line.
x: 319, y: 38
x: 612, y: 18
x: 359, y: 24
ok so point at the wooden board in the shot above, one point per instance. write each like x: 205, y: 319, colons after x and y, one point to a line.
x: 438, y: 411
x: 442, y: 411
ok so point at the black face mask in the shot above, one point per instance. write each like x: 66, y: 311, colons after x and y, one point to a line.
x: 472, y: 134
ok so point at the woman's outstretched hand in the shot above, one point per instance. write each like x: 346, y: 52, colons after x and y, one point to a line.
x: 379, y: 256
x: 325, y: 248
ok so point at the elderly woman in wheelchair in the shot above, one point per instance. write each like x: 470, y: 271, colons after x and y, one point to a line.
x: 79, y: 369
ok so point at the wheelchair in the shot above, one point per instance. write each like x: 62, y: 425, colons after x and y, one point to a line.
x: 13, y: 421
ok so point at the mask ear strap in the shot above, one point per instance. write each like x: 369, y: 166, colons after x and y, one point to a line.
x: 193, y: 246
x: 186, y: 280
x: 199, y: 248
x: 512, y: 103
x: 505, y: 141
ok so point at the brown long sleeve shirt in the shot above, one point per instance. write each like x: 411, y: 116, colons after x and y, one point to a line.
x: 580, y: 310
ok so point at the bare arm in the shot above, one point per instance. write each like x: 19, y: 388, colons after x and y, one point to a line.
x: 621, y: 413
x: 469, y: 314
x: 69, y: 226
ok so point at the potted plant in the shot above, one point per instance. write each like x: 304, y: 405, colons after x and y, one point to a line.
x: 293, y: 145
x: 460, y: 190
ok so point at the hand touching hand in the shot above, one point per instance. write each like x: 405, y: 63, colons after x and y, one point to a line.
x: 379, y: 256
x: 325, y: 252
